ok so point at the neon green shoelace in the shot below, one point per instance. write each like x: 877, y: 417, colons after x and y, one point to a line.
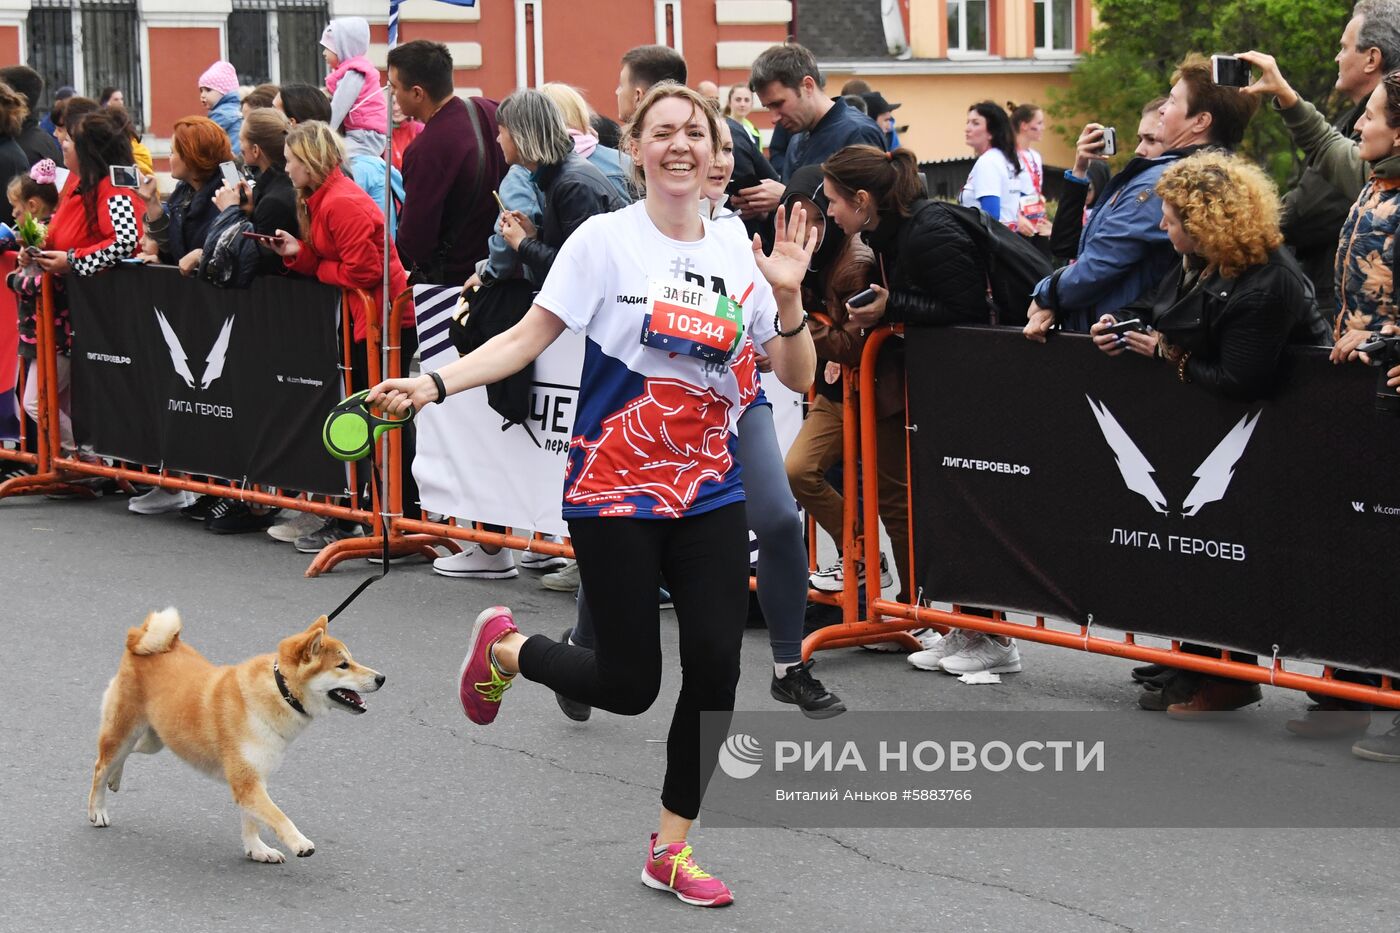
x: 492, y: 689
x: 682, y: 860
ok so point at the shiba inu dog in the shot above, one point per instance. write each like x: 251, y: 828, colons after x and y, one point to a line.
x: 231, y: 722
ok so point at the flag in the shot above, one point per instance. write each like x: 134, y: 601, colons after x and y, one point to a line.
x: 394, y: 17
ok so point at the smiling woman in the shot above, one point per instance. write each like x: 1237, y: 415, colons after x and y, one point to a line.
x: 667, y: 498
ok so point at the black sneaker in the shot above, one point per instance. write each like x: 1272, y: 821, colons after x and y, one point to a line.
x: 1150, y: 673
x: 235, y: 518
x: 804, y: 691
x: 578, y: 712
x: 11, y: 469
x: 1384, y: 747
x: 201, y: 508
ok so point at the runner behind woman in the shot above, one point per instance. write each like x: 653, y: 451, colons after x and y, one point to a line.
x: 653, y: 483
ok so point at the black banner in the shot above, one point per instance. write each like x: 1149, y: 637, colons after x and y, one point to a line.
x: 234, y: 383
x: 1057, y: 480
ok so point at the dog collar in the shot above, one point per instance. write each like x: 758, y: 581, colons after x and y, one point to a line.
x: 292, y: 701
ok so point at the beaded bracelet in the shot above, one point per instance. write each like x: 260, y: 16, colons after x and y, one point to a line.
x: 778, y: 325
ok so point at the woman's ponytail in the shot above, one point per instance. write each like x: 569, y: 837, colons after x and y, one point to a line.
x: 891, y: 178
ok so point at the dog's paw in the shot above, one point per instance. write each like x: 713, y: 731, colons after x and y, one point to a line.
x: 265, y: 853
x: 97, y: 816
x: 114, y: 781
x: 308, y: 849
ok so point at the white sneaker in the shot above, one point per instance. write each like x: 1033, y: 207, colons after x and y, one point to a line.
x: 984, y: 653
x: 926, y: 637
x: 939, y: 648
x: 563, y: 580
x: 832, y: 579
x: 534, y: 560
x: 160, y: 500
x: 295, y: 525
x: 476, y: 564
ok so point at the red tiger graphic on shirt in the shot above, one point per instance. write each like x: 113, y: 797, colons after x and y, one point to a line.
x: 745, y: 368
x: 663, y: 444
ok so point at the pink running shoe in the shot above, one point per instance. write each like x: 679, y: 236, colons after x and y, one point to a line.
x: 480, y: 683
x: 677, y: 872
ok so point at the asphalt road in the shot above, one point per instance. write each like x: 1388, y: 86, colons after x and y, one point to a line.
x: 423, y: 821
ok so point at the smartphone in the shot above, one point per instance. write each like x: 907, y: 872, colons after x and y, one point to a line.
x: 1229, y: 71
x: 862, y: 299
x: 1123, y: 327
x: 260, y: 237
x: 231, y: 175
x: 499, y: 203
x: 124, y: 176
x: 1110, y: 141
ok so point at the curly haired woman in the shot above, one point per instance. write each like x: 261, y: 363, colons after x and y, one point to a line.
x: 1223, y: 318
x: 1222, y: 321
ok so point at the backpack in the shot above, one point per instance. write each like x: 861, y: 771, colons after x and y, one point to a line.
x: 229, y: 260
x: 1014, y: 266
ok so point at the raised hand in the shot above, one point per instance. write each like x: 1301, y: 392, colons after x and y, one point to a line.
x: 793, y: 246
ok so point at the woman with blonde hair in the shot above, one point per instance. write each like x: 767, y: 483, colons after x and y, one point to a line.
x: 628, y: 523
x: 340, y: 241
x: 1221, y: 320
x: 576, y: 120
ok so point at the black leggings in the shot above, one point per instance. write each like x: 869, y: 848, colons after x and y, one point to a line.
x: 705, y: 559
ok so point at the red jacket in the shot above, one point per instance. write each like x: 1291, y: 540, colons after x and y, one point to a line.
x: 346, y: 246
x: 112, y: 238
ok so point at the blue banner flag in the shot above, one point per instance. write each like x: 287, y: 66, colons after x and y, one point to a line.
x: 394, y: 17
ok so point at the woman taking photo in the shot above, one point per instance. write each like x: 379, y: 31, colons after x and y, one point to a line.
x: 994, y: 184
x: 532, y: 135
x: 1221, y: 321
x: 931, y: 273
x: 270, y: 203
x: 632, y: 513
x: 340, y: 241
x: 181, y: 225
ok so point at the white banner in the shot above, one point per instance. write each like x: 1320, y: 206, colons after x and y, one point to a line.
x: 472, y: 465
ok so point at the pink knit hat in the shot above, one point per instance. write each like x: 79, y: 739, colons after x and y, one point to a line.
x: 220, y: 77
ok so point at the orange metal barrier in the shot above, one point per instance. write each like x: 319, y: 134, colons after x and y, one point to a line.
x: 56, y: 471
x: 887, y: 620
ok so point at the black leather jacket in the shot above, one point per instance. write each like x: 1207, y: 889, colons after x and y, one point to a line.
x: 932, y: 268
x: 1236, y: 329
x: 570, y: 192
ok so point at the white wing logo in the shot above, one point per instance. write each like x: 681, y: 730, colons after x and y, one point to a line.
x: 1137, y: 472
x: 213, y: 363
x: 1213, y: 476
x: 1215, y: 472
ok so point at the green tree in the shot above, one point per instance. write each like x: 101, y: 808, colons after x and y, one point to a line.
x: 1139, y: 42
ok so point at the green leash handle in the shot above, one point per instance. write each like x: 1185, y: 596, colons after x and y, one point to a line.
x: 351, y: 430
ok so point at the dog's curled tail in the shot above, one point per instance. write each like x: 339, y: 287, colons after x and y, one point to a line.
x: 156, y: 634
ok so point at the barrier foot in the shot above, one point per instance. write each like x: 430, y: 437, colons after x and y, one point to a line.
x: 373, y: 546
x: 44, y: 484
x: 849, y: 635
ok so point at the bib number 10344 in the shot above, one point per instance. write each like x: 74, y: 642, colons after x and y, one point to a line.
x: 687, y: 319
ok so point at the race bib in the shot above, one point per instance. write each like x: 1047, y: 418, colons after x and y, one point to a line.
x: 691, y: 320
x: 1033, y: 208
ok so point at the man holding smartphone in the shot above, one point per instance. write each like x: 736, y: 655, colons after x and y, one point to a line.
x: 1315, y: 207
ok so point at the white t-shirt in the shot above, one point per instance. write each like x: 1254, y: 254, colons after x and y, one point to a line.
x: 654, y: 433
x: 993, y: 175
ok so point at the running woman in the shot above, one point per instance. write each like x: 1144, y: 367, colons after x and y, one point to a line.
x: 772, y: 509
x: 653, y: 481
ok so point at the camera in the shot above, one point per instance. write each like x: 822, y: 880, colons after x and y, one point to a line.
x: 1110, y: 141
x: 1229, y: 71
x: 124, y: 176
x: 1384, y: 352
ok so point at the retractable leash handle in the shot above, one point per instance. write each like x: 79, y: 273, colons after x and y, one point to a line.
x: 351, y: 429
x: 350, y: 433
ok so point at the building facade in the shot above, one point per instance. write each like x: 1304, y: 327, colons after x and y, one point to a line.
x: 156, y: 49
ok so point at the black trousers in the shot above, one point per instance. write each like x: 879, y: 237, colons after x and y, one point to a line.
x: 705, y: 559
